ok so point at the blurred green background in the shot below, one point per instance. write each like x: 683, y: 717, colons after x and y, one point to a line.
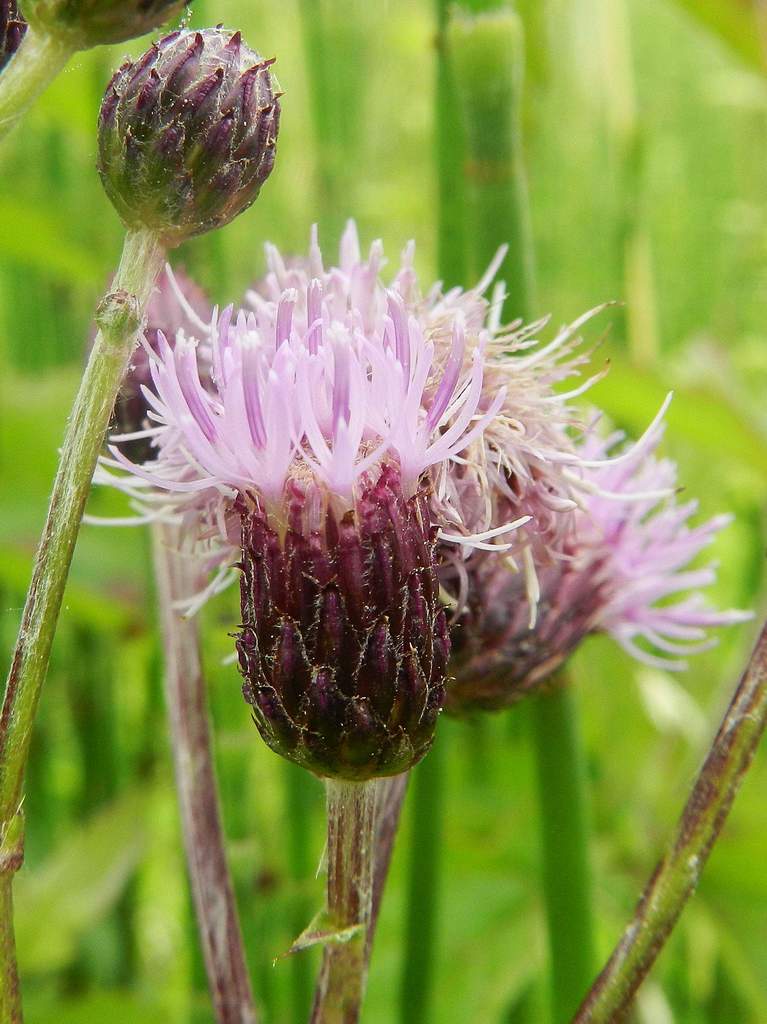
x: 646, y: 135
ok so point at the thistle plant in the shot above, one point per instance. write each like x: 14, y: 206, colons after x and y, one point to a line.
x: 119, y: 318
x: 343, y: 441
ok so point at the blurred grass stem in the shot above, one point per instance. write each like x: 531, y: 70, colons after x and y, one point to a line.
x: 676, y: 877
x: 564, y: 846
x: 298, y: 808
x: 488, y: 55
x: 119, y: 318
x: 178, y: 577
x: 37, y: 62
x: 450, y: 154
x: 423, y: 887
x: 352, y: 816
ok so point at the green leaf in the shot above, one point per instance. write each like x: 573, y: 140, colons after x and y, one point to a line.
x: 66, y: 896
x: 321, y: 931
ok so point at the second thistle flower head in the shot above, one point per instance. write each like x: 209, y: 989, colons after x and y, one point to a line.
x: 625, y: 570
x: 187, y: 133
x: 310, y: 431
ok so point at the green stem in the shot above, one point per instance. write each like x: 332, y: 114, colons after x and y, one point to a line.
x: 676, y: 877
x: 179, y: 576
x: 336, y: 40
x: 350, y: 853
x: 564, y: 846
x: 450, y: 153
x: 37, y: 62
x: 487, y: 56
x: 119, y: 317
x: 11, y: 859
x: 424, y: 887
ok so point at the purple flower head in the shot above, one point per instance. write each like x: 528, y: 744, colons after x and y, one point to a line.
x: 625, y: 570
x: 321, y: 431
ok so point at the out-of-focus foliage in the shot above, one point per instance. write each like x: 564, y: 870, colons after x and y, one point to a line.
x: 646, y: 146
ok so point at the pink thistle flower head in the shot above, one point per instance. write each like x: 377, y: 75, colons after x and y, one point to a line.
x: 312, y: 430
x: 625, y: 570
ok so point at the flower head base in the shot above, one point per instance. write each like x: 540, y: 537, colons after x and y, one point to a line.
x: 12, y: 29
x: 97, y: 22
x: 622, y: 572
x: 187, y: 133
x: 344, y: 644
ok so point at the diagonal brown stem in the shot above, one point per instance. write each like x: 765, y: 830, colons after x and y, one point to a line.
x: 178, y: 577
x: 677, y: 875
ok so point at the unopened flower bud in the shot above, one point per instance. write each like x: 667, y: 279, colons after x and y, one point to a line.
x: 12, y: 29
x: 187, y: 133
x: 89, y: 23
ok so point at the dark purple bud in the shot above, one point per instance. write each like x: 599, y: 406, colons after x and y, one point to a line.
x: 89, y: 23
x: 350, y: 634
x: 12, y: 29
x: 187, y: 133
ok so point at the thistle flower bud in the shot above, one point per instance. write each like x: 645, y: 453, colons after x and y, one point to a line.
x: 344, y: 645
x: 187, y: 133
x: 96, y: 22
x: 12, y: 29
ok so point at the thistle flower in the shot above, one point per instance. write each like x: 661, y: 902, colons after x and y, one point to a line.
x: 95, y: 22
x: 312, y: 432
x: 12, y: 29
x: 625, y: 571
x: 187, y: 133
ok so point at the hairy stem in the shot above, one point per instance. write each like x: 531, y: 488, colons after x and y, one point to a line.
x: 352, y: 817
x: 178, y: 577
x: 119, y: 317
x: 676, y: 877
x: 33, y: 67
x: 564, y: 846
x: 11, y: 859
